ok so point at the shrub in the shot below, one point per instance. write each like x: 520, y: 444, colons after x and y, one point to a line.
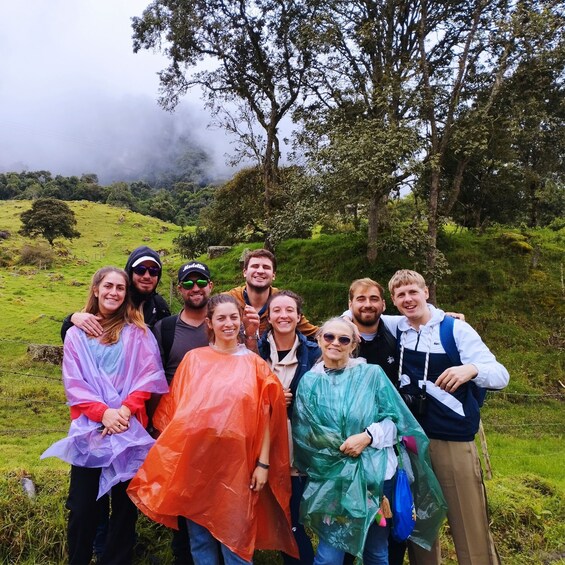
x: 191, y: 245
x: 5, y: 258
x: 37, y: 255
x: 557, y: 224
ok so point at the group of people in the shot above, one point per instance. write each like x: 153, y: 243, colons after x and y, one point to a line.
x: 267, y: 425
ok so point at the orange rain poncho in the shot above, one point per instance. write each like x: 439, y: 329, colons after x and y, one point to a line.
x: 212, y: 423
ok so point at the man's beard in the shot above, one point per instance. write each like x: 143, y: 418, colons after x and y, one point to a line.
x: 191, y: 306
x: 367, y: 322
x: 259, y: 289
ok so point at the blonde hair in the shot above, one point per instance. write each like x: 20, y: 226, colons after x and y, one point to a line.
x: 353, y: 330
x: 405, y: 276
x: 125, y: 314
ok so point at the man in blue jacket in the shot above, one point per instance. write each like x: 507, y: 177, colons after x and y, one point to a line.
x: 445, y: 390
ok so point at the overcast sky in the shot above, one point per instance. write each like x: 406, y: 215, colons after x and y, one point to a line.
x: 75, y: 99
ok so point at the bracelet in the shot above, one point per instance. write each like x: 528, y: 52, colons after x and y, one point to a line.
x: 369, y: 434
x: 262, y: 465
x: 250, y: 336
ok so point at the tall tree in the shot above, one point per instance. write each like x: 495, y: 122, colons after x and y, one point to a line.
x: 49, y: 218
x: 433, y: 67
x: 259, y: 59
x: 358, y: 125
x: 464, y: 66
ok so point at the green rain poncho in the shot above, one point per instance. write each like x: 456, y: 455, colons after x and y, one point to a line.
x: 343, y: 494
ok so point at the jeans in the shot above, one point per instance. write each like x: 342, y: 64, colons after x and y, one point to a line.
x: 204, y: 547
x: 375, y: 551
x: 102, y: 528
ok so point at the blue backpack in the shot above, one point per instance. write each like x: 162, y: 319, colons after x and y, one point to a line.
x: 448, y: 343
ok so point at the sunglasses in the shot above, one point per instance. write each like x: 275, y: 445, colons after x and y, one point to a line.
x: 343, y: 339
x: 142, y: 269
x: 200, y: 283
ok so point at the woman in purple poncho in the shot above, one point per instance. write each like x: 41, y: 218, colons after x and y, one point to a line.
x: 107, y: 381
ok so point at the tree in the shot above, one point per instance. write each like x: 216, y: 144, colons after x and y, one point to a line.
x: 119, y: 194
x: 358, y: 123
x: 49, y: 218
x: 474, y: 54
x: 435, y: 68
x: 236, y: 214
x: 260, y: 58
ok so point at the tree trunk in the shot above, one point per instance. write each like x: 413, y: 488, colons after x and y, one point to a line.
x: 432, y: 234
x: 270, y: 180
x: 375, y: 216
x: 534, y: 202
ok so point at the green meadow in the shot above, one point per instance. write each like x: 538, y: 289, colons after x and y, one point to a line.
x: 509, y: 283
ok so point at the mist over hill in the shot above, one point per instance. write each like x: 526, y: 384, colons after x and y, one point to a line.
x: 126, y: 139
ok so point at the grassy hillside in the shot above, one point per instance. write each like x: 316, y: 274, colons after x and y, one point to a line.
x: 509, y: 284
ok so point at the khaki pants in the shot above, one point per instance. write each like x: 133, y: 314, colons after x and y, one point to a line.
x: 458, y: 470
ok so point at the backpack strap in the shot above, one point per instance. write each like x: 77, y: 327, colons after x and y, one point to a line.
x: 448, y: 341
x: 167, y: 336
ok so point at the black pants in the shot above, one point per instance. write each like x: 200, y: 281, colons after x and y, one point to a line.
x: 85, y: 513
x: 303, y: 542
x: 180, y: 544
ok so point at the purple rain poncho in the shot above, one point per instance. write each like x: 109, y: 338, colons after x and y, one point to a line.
x: 93, y: 372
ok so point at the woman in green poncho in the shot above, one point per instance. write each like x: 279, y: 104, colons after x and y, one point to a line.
x: 347, y: 419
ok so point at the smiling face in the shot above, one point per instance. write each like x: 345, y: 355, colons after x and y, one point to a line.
x: 334, y: 353
x: 367, y: 305
x: 111, y: 293
x: 145, y: 284
x: 259, y: 273
x: 283, y: 315
x: 195, y: 298
x: 225, y: 324
x: 411, y: 301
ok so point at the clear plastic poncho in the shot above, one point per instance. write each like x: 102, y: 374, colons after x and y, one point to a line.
x: 343, y: 493
x: 93, y: 372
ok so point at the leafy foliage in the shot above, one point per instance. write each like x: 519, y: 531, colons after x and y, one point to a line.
x: 260, y: 59
x: 192, y: 244
x: 49, y: 218
x: 237, y: 214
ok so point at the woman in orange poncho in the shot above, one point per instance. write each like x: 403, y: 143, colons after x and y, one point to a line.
x: 222, y: 457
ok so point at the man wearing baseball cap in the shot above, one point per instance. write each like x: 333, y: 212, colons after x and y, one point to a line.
x: 176, y: 336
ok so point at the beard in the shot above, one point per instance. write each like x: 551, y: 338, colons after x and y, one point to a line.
x: 190, y: 305
x: 259, y: 289
x: 370, y: 318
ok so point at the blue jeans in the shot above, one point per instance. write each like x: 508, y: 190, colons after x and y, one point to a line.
x: 375, y: 551
x: 204, y: 547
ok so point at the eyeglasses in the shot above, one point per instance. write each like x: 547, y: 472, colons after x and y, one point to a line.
x: 142, y: 269
x: 200, y: 283
x: 343, y: 339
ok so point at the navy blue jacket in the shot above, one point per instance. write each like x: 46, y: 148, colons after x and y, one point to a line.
x: 307, y: 353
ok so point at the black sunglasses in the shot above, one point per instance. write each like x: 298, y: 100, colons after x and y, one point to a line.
x: 343, y: 339
x: 142, y: 269
x: 200, y: 283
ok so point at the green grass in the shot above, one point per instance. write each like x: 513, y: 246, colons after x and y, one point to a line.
x: 518, y: 307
